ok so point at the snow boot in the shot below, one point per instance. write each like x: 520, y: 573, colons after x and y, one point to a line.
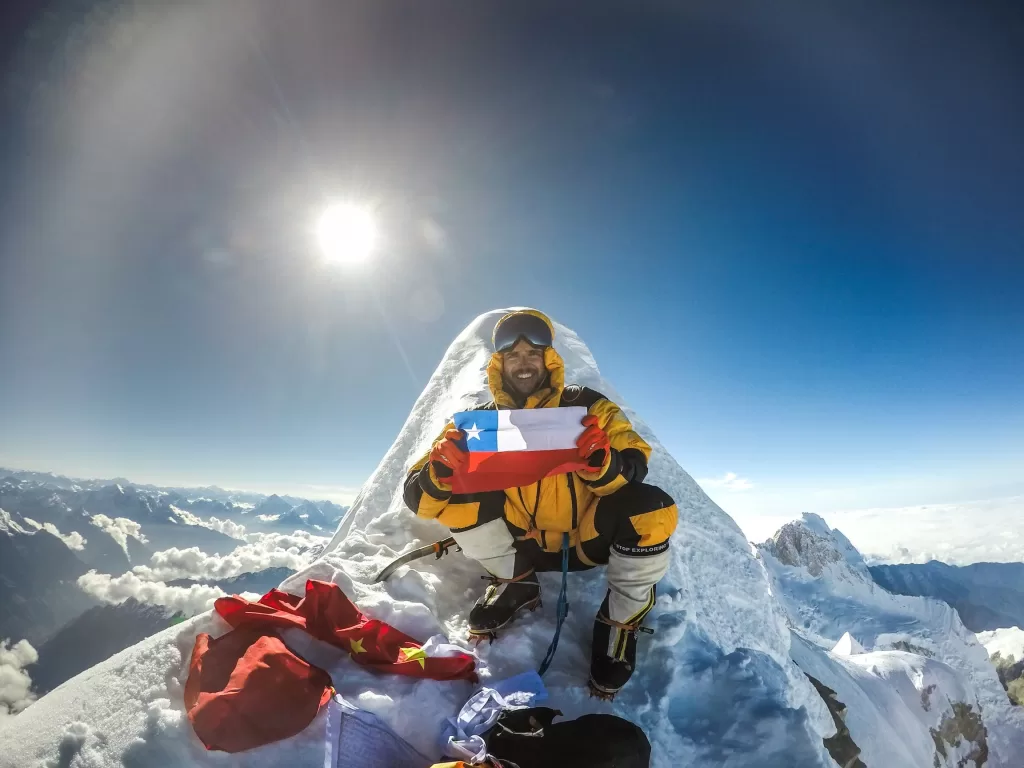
x: 613, y: 655
x: 630, y: 597
x: 504, y: 599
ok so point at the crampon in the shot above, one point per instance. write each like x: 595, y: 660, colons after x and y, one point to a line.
x: 478, y: 636
x: 597, y: 692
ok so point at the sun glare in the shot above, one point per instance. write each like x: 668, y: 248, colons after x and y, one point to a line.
x: 346, y: 233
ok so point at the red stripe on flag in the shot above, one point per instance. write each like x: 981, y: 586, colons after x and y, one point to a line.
x: 499, y: 470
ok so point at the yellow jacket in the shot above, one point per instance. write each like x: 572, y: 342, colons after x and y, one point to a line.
x: 554, y: 505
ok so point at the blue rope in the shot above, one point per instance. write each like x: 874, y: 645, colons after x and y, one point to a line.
x: 562, y: 610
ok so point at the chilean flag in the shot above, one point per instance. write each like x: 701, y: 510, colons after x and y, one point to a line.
x: 508, y: 449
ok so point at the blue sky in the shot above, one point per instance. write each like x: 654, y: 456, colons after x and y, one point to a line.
x: 792, y: 236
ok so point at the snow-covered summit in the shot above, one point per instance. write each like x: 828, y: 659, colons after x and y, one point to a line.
x: 809, y: 543
x: 715, y: 685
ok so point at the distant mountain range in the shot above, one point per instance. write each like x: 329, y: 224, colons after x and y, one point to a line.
x: 37, y: 581
x: 986, y: 595
x: 54, y: 529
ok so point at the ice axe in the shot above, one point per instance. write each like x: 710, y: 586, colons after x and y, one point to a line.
x: 438, y: 549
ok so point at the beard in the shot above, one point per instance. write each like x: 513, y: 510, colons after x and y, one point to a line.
x: 524, y: 388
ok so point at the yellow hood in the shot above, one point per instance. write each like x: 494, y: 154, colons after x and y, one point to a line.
x: 546, y: 397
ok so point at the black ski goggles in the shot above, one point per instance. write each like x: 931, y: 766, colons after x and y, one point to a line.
x: 524, y: 326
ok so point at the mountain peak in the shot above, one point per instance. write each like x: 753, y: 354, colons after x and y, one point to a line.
x: 811, y: 544
x: 847, y: 646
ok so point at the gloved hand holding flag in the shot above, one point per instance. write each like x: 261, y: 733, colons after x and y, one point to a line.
x: 511, y: 448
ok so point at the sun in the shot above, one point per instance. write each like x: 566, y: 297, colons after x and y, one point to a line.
x: 346, y: 233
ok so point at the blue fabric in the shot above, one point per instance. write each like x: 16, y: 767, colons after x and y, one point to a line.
x: 359, y: 739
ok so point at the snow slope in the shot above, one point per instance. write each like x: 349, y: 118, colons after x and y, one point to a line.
x: 827, y: 591
x: 895, y: 703
x: 715, y: 686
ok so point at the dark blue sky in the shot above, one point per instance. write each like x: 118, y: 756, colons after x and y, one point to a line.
x: 790, y: 233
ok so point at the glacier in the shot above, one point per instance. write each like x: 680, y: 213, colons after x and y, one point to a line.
x: 725, y: 681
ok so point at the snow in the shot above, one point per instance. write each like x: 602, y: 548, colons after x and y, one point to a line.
x: 893, y: 700
x: 1006, y: 642
x: 827, y: 591
x: 847, y: 646
x: 716, y: 685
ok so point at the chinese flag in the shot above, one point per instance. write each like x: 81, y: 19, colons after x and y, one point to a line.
x: 327, y: 614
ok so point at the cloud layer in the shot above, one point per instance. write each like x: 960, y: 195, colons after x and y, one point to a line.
x: 264, y: 550
x: 73, y: 540
x: 119, y: 528
x: 15, y: 684
x: 188, y: 600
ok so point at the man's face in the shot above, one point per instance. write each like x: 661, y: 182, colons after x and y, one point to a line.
x: 524, y: 367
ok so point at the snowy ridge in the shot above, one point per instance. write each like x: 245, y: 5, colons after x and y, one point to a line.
x: 895, y: 704
x: 715, y: 685
x: 827, y: 591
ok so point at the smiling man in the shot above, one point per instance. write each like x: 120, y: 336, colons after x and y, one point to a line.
x: 611, y: 516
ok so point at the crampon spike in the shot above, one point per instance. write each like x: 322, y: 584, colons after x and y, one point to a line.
x: 599, y: 693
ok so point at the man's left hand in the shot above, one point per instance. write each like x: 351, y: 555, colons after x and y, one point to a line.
x: 593, y: 444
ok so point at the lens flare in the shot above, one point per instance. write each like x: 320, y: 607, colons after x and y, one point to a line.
x: 346, y: 234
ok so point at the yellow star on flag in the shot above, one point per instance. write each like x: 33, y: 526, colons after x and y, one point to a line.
x: 414, y: 654
x: 356, y: 646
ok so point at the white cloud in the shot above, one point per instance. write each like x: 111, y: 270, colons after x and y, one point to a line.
x: 188, y: 600
x: 119, y: 528
x: 15, y: 684
x: 264, y: 550
x: 227, y: 527
x: 990, y: 530
x: 730, y: 481
x: 73, y: 540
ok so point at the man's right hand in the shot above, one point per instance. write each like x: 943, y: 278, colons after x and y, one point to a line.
x: 446, y: 456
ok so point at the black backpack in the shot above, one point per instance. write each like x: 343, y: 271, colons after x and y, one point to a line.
x: 528, y: 738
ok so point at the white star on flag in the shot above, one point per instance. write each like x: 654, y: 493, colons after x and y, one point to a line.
x: 473, y: 433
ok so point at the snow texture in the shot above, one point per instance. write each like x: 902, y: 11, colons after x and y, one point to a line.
x: 827, y: 591
x: 714, y: 686
x: 893, y: 700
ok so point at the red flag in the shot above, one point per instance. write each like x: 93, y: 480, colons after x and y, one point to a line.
x: 247, y: 689
x: 327, y: 614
